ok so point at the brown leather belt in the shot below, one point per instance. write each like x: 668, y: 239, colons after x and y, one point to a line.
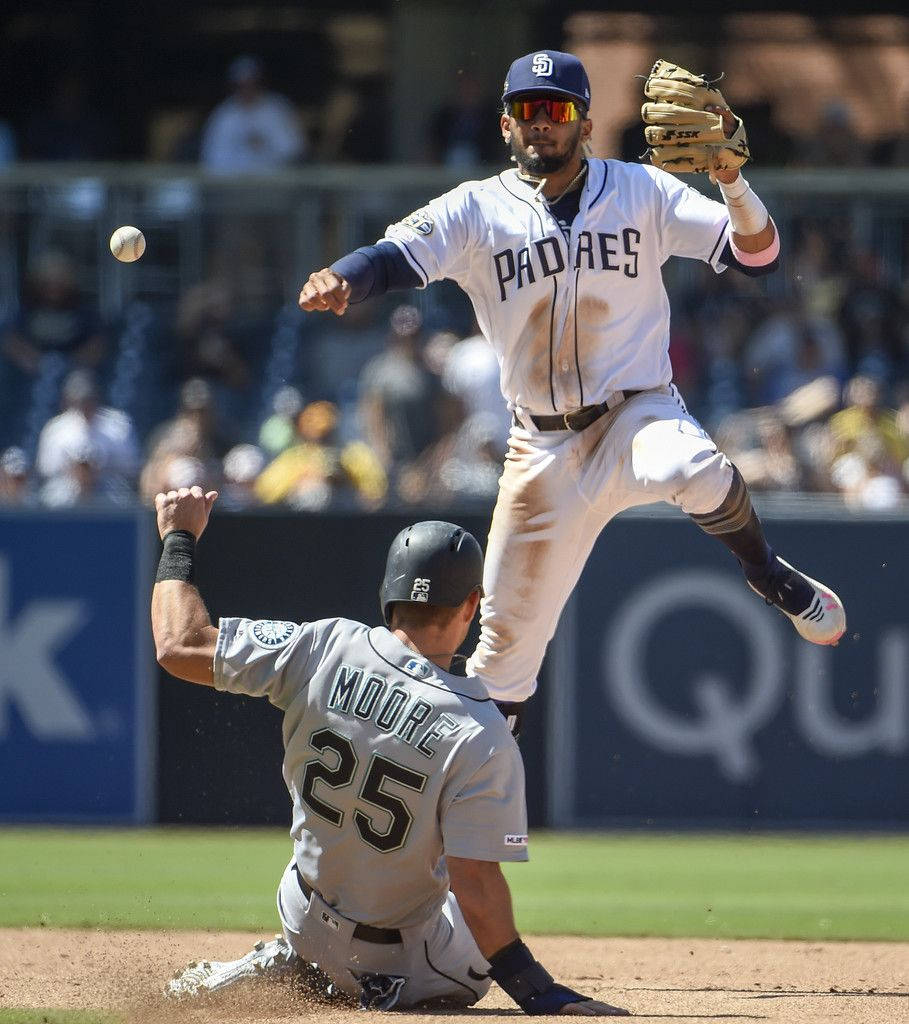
x: 581, y: 418
x: 365, y: 932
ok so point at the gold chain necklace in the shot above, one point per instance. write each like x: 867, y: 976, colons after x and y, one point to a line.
x: 571, y: 184
x: 538, y: 194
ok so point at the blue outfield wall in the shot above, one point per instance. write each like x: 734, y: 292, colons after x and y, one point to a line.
x: 698, y: 703
x: 672, y: 696
x: 76, y: 681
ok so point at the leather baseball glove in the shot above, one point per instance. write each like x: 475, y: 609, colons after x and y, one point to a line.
x: 681, y: 134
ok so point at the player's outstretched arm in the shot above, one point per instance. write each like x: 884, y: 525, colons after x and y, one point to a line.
x: 325, y: 290
x: 184, y: 635
x: 485, y: 902
x: 367, y: 272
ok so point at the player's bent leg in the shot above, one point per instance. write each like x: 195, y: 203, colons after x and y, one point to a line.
x: 430, y: 962
x: 456, y: 971
x: 541, y: 534
x: 674, y: 460
x: 815, y: 610
x: 267, y: 961
x: 441, y: 966
x: 318, y: 935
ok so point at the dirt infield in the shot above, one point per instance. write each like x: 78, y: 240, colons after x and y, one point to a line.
x: 673, y: 979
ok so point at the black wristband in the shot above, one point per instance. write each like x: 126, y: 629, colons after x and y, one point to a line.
x: 514, y: 969
x: 177, y: 557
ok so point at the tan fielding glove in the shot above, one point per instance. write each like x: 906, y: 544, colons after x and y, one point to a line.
x: 684, y: 137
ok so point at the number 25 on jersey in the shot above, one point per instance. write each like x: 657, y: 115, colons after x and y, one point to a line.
x: 380, y: 772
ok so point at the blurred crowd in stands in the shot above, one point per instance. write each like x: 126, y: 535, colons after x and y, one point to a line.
x: 806, y: 388
x: 804, y: 384
x: 304, y: 412
x: 256, y: 129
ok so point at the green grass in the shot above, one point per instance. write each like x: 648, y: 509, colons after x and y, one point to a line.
x: 155, y: 878
x: 781, y: 886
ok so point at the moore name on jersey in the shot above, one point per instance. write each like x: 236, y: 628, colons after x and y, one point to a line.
x: 369, y: 696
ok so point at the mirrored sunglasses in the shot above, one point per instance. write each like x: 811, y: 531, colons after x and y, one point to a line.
x: 558, y: 111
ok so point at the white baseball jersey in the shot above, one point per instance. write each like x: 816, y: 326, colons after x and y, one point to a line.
x: 574, y: 319
x: 389, y: 762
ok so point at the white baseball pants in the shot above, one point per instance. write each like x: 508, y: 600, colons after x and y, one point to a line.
x: 556, y: 493
x: 439, y: 959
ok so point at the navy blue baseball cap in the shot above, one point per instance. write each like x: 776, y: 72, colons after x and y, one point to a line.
x: 548, y: 71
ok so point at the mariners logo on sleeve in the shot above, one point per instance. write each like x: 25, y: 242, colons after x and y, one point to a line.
x: 420, y: 221
x: 268, y: 633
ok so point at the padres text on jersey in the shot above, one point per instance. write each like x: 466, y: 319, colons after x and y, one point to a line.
x: 573, y: 315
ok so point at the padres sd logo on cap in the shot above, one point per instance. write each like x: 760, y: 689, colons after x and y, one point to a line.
x: 542, y: 64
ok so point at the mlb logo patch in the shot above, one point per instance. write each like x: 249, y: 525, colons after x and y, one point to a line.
x: 330, y: 922
x: 515, y: 840
x: 417, y: 667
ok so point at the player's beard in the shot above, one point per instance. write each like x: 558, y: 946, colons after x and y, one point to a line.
x: 537, y: 165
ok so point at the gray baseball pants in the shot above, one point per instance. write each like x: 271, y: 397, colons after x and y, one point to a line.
x: 438, y: 959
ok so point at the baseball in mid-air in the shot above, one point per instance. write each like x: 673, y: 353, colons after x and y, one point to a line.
x: 127, y: 244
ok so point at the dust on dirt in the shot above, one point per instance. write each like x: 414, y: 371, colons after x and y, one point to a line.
x: 673, y: 979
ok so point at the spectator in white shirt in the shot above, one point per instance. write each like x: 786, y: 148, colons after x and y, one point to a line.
x: 82, y: 483
x: 86, y: 425
x: 471, y: 371
x: 252, y: 131
x: 15, y: 477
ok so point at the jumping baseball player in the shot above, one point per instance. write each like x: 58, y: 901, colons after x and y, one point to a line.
x: 561, y: 258
x: 407, y: 787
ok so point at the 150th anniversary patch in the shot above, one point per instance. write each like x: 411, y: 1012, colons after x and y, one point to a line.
x: 269, y: 634
x: 420, y: 221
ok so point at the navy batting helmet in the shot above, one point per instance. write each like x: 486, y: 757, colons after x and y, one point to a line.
x: 431, y: 563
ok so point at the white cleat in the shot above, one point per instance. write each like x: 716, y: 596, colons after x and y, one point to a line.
x: 269, y: 960
x: 816, y: 612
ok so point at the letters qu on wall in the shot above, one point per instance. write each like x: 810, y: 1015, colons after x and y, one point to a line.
x: 700, y: 702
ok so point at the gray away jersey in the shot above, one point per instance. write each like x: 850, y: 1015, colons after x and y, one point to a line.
x: 389, y: 761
